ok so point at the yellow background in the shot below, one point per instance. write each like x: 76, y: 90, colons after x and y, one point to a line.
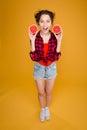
x: 19, y: 107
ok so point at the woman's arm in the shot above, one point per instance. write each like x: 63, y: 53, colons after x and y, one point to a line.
x: 56, y: 56
x: 33, y: 53
x: 32, y: 46
x: 59, y: 39
x: 32, y: 41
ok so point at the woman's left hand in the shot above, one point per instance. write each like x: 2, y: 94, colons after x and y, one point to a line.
x: 59, y: 36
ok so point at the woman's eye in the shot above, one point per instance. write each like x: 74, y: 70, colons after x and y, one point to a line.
x: 48, y: 21
x: 41, y: 21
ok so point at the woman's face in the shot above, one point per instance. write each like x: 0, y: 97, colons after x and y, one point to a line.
x: 45, y: 23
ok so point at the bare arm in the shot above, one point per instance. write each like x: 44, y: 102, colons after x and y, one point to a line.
x: 32, y: 40
x: 59, y: 39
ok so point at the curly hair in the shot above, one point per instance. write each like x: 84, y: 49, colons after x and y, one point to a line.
x: 41, y: 12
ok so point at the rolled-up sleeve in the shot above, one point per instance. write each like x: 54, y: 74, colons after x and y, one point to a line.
x: 54, y: 56
x: 35, y: 56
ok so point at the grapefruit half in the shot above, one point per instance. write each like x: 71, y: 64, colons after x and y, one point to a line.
x: 56, y: 29
x: 33, y: 29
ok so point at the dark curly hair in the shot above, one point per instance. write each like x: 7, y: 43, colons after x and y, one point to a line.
x: 41, y: 12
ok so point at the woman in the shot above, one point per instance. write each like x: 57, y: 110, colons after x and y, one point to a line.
x: 45, y: 50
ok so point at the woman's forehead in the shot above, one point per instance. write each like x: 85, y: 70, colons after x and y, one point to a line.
x: 44, y: 16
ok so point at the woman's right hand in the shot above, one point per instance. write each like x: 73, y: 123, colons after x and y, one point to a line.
x: 32, y: 36
x: 32, y: 40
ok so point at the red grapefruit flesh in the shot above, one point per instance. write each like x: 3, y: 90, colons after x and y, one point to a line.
x: 56, y: 29
x: 33, y: 29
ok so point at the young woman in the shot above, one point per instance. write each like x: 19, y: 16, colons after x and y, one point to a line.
x: 45, y: 50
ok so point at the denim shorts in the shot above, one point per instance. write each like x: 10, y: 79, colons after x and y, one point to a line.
x: 44, y: 72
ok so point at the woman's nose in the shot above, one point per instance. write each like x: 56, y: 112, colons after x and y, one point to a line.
x: 44, y: 23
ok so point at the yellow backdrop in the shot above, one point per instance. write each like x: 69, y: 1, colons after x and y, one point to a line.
x: 19, y: 107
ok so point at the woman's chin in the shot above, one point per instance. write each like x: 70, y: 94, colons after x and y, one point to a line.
x: 45, y: 31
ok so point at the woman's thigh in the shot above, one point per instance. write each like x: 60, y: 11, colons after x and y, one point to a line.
x: 50, y: 85
x: 40, y: 85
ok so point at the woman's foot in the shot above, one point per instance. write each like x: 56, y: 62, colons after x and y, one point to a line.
x: 47, y: 113
x: 42, y: 114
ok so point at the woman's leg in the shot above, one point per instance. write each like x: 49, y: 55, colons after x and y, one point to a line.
x: 41, y: 91
x: 49, y: 88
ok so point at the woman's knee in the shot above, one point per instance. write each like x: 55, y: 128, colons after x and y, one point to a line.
x: 48, y: 92
x: 41, y: 93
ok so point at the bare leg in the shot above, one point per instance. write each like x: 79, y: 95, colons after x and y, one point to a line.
x: 41, y: 91
x: 49, y: 87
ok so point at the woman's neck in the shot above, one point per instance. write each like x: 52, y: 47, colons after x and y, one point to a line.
x: 45, y: 37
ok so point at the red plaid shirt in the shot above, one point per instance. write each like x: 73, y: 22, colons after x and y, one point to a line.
x: 38, y: 54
